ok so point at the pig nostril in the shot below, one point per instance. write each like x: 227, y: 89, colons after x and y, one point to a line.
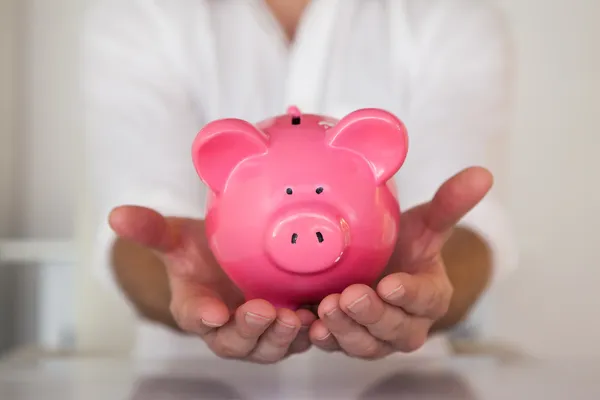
x: 294, y: 238
x: 320, y: 237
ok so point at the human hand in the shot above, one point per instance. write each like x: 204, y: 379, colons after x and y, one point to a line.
x: 204, y: 301
x: 415, y: 292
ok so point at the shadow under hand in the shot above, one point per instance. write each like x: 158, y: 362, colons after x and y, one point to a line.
x: 173, y: 388
x: 420, y: 386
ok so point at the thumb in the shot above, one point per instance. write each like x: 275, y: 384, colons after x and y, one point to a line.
x: 197, y: 308
x: 456, y: 197
x: 144, y: 226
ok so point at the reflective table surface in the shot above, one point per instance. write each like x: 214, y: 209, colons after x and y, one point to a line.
x: 314, y: 376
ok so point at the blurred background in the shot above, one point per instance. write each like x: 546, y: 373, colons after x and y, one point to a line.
x: 547, y: 308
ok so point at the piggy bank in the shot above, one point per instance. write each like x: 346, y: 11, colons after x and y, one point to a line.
x: 301, y: 205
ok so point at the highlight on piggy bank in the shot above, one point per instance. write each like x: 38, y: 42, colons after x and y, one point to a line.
x: 302, y: 205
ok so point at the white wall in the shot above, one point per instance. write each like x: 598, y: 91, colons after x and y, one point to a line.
x: 38, y: 149
x: 8, y: 24
x: 48, y: 139
x: 48, y: 172
x: 8, y: 12
x: 40, y: 188
x: 551, y: 305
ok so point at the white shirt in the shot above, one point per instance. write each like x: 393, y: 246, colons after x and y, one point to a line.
x: 156, y: 71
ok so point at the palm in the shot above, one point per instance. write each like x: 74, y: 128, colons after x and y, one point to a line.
x: 417, y: 244
x: 425, y: 228
x: 192, y: 267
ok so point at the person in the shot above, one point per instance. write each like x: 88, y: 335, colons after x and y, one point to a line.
x: 156, y: 71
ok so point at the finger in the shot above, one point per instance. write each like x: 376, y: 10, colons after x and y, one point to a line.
x: 352, y: 337
x: 238, y: 338
x: 196, y: 308
x: 385, y: 322
x: 322, y: 337
x: 143, y: 226
x: 456, y: 197
x: 426, y: 295
x: 273, y: 345
x: 302, y: 341
x: 310, y: 307
x: 307, y: 317
x: 200, y: 314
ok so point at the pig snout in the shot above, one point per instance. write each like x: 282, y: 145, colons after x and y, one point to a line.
x: 306, y: 242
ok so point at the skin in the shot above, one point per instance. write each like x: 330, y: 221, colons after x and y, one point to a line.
x: 288, y: 14
x: 436, y: 275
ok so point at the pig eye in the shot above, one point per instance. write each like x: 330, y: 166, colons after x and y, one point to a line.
x: 319, y: 190
x: 289, y: 191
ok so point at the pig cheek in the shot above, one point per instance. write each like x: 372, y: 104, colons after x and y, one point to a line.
x: 374, y: 229
x: 238, y: 233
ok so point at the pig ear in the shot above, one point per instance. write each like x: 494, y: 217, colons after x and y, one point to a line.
x: 221, y: 145
x: 377, y: 136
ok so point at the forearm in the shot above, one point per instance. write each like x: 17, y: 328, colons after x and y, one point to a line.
x: 468, y: 265
x: 142, y: 277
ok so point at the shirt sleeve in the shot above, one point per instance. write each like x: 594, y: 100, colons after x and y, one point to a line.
x: 459, y: 112
x: 139, y: 118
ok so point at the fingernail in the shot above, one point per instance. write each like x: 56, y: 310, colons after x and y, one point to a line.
x: 211, y: 324
x: 360, y: 304
x: 325, y: 337
x: 281, y: 328
x: 257, y: 320
x: 332, y: 313
x: 396, y: 293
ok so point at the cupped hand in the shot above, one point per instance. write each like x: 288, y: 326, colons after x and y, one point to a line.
x: 204, y: 301
x: 415, y: 291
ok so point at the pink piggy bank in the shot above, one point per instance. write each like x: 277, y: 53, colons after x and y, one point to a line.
x: 302, y: 206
